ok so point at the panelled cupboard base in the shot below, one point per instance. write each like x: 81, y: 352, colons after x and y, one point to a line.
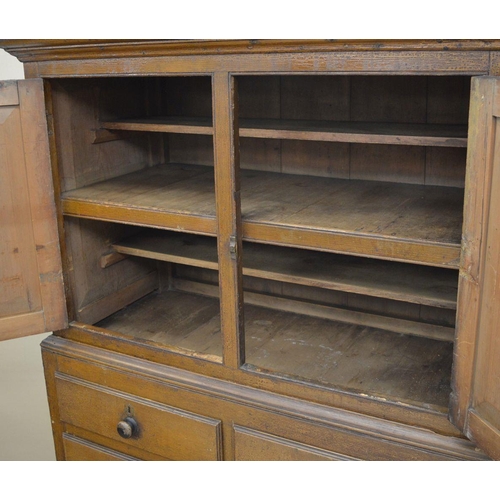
x: 178, y: 415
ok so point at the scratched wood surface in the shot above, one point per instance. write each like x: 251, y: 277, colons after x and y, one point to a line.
x: 31, y: 288
x: 190, y: 323
x: 368, y: 112
x: 19, y: 286
x: 321, y: 351
x: 428, y: 216
x: 377, y: 278
x: 311, y: 130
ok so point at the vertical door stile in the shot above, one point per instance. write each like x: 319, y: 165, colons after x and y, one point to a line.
x: 475, y: 205
x: 475, y: 402
x: 228, y: 204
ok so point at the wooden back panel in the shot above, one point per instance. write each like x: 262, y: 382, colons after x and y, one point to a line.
x: 385, y: 99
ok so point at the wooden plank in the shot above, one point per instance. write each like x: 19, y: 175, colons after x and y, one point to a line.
x: 253, y: 445
x: 35, y: 50
x: 445, y: 167
x: 477, y: 198
x: 177, y: 125
x: 419, y: 224
x: 228, y: 198
x: 403, y: 62
x: 481, y: 430
x: 19, y: 283
x: 388, y: 163
x: 191, y: 190
x: 111, y: 258
x: 31, y: 286
x: 50, y: 367
x: 189, y: 324
x: 77, y: 105
x: 376, y: 278
x: 386, y: 323
x: 119, y: 447
x: 484, y: 399
x: 43, y: 210
x: 357, y: 132
x: 103, y: 307
x: 80, y: 336
x: 101, y: 135
x: 331, y: 353
x: 414, y: 134
x: 139, y: 217
x: 139, y: 198
x: 78, y: 449
x: 496, y: 103
x: 29, y: 323
x: 394, y: 211
x: 8, y: 93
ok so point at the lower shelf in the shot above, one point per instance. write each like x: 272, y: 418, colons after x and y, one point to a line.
x: 188, y: 323
x: 324, y: 352
x: 377, y: 278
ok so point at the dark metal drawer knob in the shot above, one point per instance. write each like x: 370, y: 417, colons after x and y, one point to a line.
x: 127, y: 428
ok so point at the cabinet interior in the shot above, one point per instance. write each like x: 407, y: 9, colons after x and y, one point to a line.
x: 352, y: 192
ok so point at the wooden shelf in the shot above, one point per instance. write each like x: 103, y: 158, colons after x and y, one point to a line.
x: 176, y: 125
x: 404, y: 222
x: 185, y: 323
x: 177, y: 197
x: 310, y: 130
x: 372, y: 277
x: 401, y: 222
x: 338, y: 354
x: 319, y: 351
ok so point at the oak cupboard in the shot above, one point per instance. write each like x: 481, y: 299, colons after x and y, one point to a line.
x: 257, y: 250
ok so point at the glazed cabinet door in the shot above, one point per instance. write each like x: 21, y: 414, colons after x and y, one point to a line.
x: 31, y: 284
x: 476, y: 390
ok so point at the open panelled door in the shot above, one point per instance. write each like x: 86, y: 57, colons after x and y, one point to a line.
x: 31, y: 284
x: 476, y: 388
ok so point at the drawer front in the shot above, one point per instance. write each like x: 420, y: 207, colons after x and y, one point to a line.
x: 77, y: 449
x: 254, y: 445
x: 159, y: 429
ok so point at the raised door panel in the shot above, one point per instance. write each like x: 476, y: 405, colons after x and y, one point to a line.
x: 476, y: 391
x: 31, y: 285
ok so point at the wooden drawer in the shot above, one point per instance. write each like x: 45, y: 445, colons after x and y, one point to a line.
x: 77, y: 449
x: 163, y: 430
x: 250, y: 444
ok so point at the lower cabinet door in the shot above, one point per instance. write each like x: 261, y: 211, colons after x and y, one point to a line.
x: 255, y: 445
x: 132, y: 422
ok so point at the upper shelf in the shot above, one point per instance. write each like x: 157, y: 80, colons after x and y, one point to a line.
x: 410, y: 134
x: 401, y: 222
